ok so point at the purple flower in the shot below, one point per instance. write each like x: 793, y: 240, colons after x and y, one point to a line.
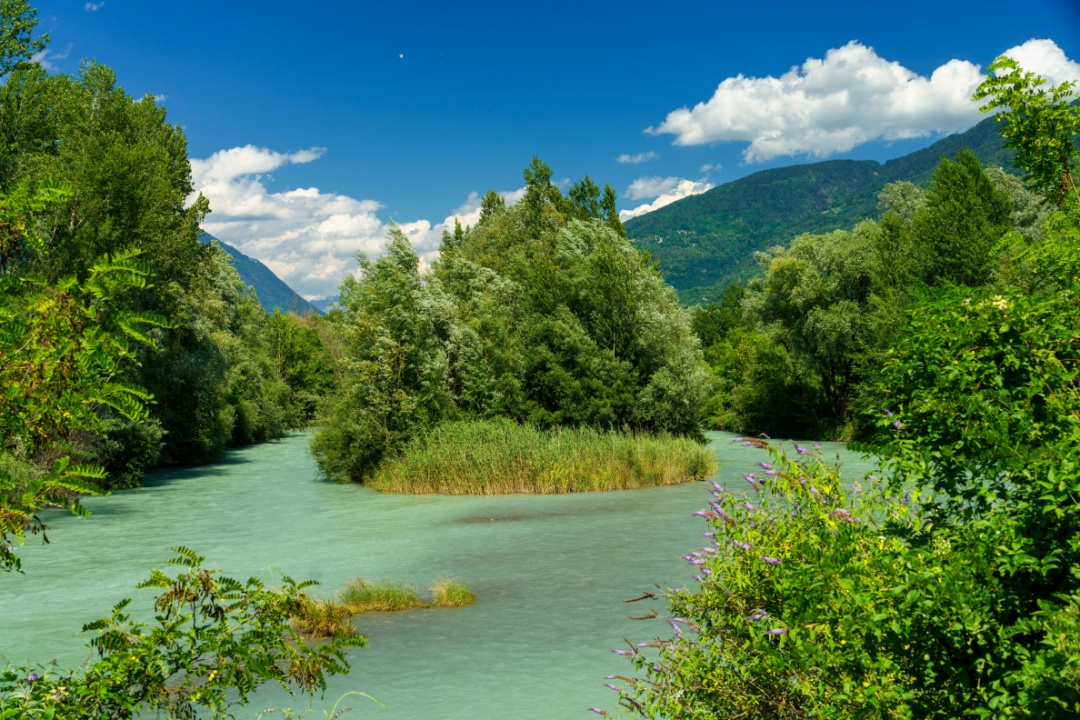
x: 765, y: 465
x: 708, y: 535
x: 705, y: 514
x: 800, y: 449
x: 776, y: 631
x: 738, y: 440
x: 624, y: 653
x: 598, y: 711
x: 817, y: 447
x: 723, y: 515
x: 841, y: 512
x: 616, y: 688
x: 749, y: 507
x: 718, y: 488
x: 758, y: 615
x: 711, y: 551
x: 898, y: 425
x: 814, y: 492
x: 770, y: 560
x: 906, y: 499
x: 33, y: 678
x: 747, y: 443
x: 887, y: 413
x: 857, y: 488
x: 741, y: 545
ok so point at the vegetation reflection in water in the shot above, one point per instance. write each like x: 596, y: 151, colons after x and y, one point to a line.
x: 550, y: 574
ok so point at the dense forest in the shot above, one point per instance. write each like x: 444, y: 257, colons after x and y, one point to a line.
x: 798, y: 351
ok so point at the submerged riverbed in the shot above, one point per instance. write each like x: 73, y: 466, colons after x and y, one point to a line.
x: 550, y: 574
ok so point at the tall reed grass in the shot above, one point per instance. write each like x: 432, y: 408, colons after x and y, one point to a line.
x: 497, y: 457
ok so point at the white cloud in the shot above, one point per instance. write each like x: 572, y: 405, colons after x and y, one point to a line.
x: 46, y: 56
x: 1045, y: 58
x: 650, y: 187
x: 160, y: 98
x: 307, y: 237
x: 676, y: 191
x: 93, y: 6
x: 636, y: 159
x: 711, y: 167
x: 850, y: 97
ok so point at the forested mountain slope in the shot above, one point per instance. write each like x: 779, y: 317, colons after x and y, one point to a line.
x: 269, y: 288
x: 706, y: 241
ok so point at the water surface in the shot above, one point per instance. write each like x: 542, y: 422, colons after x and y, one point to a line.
x: 551, y: 574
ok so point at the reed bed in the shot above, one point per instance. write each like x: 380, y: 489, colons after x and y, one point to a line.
x: 315, y: 618
x: 499, y: 457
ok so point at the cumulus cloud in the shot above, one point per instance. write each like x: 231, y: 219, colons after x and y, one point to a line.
x: 1045, y: 58
x: 711, y: 167
x: 852, y: 96
x: 93, y: 6
x: 650, y: 187
x: 636, y: 159
x: 160, y: 98
x: 668, y: 189
x: 307, y: 237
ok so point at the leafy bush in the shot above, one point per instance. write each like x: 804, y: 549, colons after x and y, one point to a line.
x: 214, y: 642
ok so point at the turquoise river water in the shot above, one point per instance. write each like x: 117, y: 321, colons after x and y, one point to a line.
x: 551, y: 574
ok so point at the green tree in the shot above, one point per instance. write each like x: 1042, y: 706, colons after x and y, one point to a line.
x: 1039, y: 123
x: 961, y: 222
x: 17, y: 44
x: 394, y: 385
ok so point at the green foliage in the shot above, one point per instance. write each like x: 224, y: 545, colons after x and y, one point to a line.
x: 61, y: 350
x: 963, y: 218
x: 213, y: 642
x: 17, y: 44
x: 705, y: 242
x: 1040, y: 124
x: 813, y: 600
x: 535, y: 314
x: 490, y: 457
x: 394, y: 384
x: 950, y: 589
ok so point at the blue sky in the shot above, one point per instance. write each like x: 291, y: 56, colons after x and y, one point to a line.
x: 314, y: 124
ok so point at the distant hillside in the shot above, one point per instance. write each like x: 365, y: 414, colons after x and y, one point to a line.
x: 270, y: 289
x: 324, y: 304
x: 704, y: 242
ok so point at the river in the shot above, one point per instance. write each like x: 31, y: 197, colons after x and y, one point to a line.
x: 551, y: 574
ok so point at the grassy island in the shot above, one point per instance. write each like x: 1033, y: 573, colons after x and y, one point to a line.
x: 494, y: 457
x: 316, y: 618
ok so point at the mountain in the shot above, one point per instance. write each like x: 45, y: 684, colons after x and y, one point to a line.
x: 269, y: 288
x: 324, y: 304
x: 704, y: 242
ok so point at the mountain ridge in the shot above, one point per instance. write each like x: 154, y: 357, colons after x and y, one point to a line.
x: 706, y: 241
x: 271, y: 290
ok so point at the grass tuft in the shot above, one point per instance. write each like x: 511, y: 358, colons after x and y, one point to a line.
x: 497, y: 457
x: 361, y: 596
x: 451, y: 593
x: 322, y: 619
